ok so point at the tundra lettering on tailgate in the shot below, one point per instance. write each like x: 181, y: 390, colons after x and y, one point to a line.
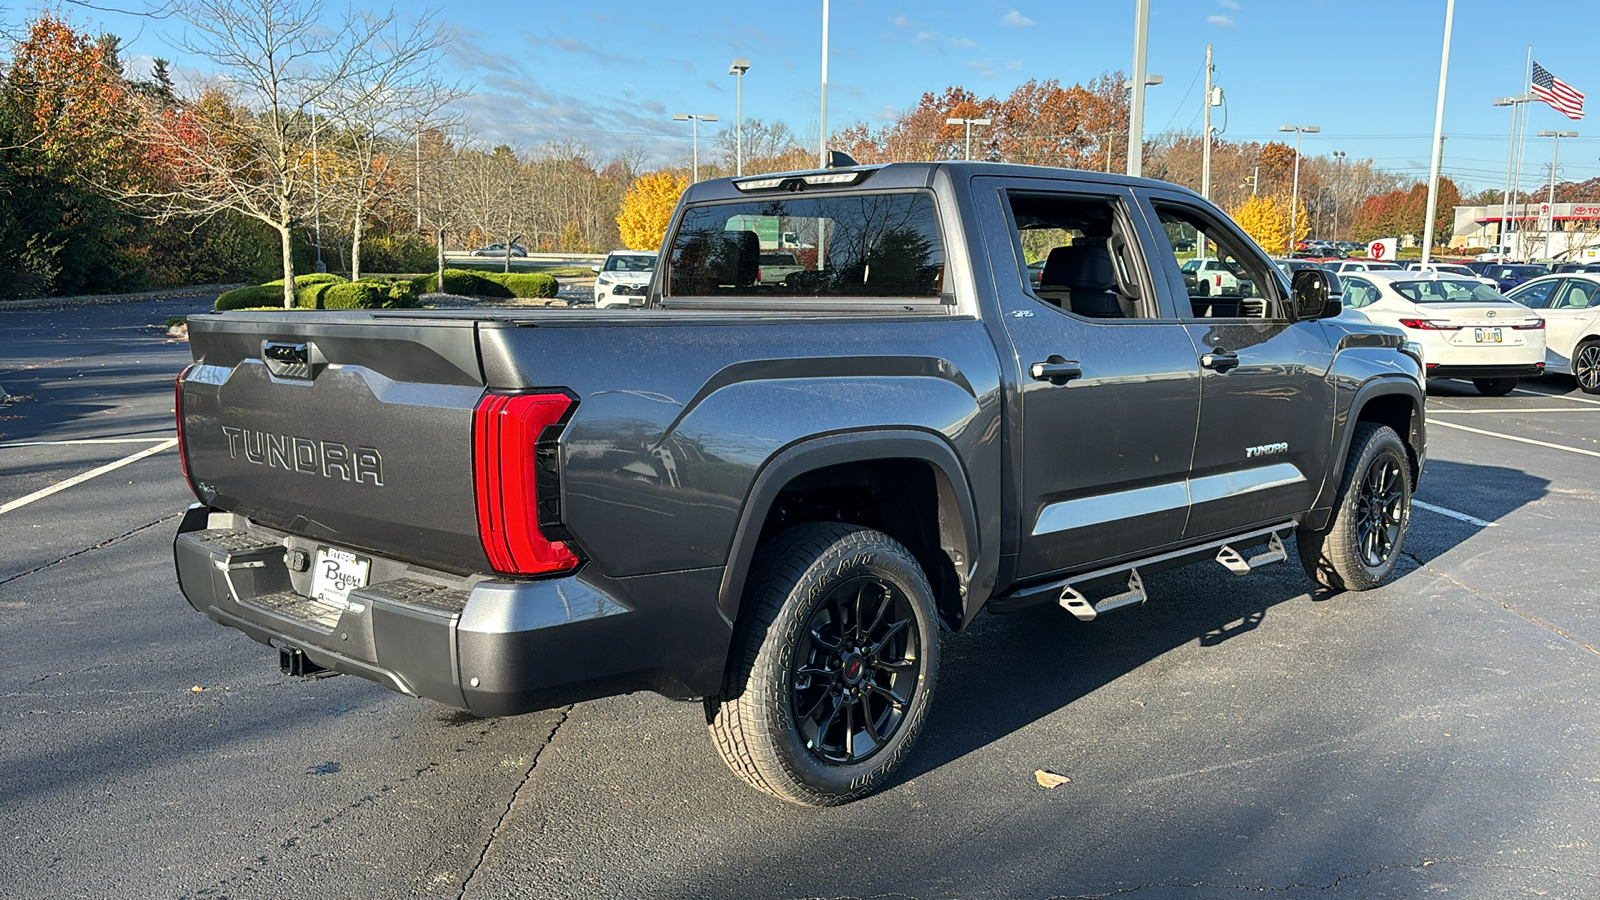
x: 330, y: 459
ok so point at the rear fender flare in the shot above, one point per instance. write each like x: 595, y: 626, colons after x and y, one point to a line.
x: 959, y: 520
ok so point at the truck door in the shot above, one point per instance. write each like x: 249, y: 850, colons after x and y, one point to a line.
x: 1103, y: 416
x: 1265, y: 400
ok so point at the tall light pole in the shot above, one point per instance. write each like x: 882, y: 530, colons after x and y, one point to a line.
x: 695, y: 140
x: 1438, y: 134
x: 1338, y: 182
x: 1555, y: 157
x: 1506, y: 222
x: 956, y: 120
x: 1294, y: 198
x: 822, y: 141
x: 1141, y: 40
x: 737, y: 70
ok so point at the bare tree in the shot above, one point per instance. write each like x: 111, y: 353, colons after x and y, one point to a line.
x: 244, y: 145
x: 440, y: 177
x: 392, y: 88
x: 493, y: 190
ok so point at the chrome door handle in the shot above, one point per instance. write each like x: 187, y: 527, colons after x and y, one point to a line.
x: 1056, y: 370
x: 1219, y: 359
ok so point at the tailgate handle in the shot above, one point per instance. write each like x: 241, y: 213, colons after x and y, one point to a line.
x: 291, y: 359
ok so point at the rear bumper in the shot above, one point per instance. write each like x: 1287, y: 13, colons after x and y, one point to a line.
x: 492, y: 646
x: 1516, y: 370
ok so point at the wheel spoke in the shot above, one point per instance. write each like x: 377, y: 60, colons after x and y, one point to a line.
x: 809, y: 712
x: 894, y: 629
x: 815, y: 670
x: 898, y: 701
x: 866, y: 719
x: 824, y: 643
x: 883, y: 609
x: 850, y: 729
x: 894, y: 665
x: 856, y: 625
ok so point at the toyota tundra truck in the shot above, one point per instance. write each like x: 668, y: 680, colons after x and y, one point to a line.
x: 776, y: 496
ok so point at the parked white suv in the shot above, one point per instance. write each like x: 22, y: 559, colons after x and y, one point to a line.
x: 624, y: 274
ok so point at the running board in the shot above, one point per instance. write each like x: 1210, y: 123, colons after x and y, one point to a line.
x: 1238, y: 565
x: 1073, y: 601
x: 1069, y: 592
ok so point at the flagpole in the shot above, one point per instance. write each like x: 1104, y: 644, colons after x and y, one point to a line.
x: 1522, y: 142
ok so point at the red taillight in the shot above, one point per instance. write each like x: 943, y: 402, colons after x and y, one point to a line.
x: 183, y: 446
x: 508, y: 464
x: 1431, y: 324
x: 1535, y: 325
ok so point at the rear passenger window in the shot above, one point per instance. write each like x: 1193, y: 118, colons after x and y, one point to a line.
x: 1078, y: 256
x: 858, y: 246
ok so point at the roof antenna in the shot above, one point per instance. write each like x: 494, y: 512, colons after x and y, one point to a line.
x: 838, y: 159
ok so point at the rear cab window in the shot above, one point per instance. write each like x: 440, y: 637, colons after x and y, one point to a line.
x: 837, y: 251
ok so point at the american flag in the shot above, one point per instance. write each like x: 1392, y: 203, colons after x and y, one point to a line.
x: 1557, y: 93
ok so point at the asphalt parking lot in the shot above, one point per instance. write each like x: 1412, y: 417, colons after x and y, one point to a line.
x: 1437, y: 736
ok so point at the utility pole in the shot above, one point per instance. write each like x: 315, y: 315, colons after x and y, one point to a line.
x: 1294, y: 198
x: 1205, y: 147
x: 1438, y: 135
x: 1110, y: 133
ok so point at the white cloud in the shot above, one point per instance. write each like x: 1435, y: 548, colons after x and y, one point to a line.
x: 1220, y: 21
x: 922, y: 37
x: 1015, y: 19
x: 964, y: 43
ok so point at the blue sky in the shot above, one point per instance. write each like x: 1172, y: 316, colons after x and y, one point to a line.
x: 613, y: 73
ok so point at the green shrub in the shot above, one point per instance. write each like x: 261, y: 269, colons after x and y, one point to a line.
x: 253, y: 296
x: 402, y: 295
x: 310, y: 296
x: 354, y: 295
x: 465, y: 283
x: 312, y: 278
x: 402, y: 252
x: 527, y: 284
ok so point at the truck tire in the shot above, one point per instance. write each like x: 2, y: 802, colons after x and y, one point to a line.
x: 832, y: 666
x: 1359, y: 548
x: 1494, y: 387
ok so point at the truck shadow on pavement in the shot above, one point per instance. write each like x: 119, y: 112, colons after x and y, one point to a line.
x: 1009, y: 671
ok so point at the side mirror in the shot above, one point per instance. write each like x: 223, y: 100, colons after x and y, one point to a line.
x: 1311, y: 294
x: 595, y: 269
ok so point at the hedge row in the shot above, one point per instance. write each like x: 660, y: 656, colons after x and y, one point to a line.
x: 500, y: 285
x: 324, y: 291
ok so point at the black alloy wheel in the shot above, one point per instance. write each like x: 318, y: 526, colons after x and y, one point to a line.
x: 854, y: 672
x: 1586, y: 366
x: 1380, y: 510
x: 834, y: 660
x: 1359, y: 547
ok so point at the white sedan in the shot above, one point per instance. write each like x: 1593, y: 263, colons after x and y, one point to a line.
x: 1466, y: 329
x: 1570, y: 305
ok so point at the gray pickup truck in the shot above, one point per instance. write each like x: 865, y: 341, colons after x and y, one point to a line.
x: 775, y: 497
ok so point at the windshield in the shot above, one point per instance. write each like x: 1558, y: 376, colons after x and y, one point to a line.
x: 1192, y: 265
x: 1451, y: 291
x: 630, y: 263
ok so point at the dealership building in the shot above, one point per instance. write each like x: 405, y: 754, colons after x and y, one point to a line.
x: 1544, y: 230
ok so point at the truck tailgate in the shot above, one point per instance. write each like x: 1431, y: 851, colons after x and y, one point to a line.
x: 352, y: 429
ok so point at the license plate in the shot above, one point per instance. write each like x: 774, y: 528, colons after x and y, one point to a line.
x: 336, y: 574
x: 1486, y: 335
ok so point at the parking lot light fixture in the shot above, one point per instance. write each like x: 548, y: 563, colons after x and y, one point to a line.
x: 1294, y: 197
x: 695, y: 138
x: 1506, y: 221
x: 737, y: 69
x: 957, y: 120
x: 1555, y: 157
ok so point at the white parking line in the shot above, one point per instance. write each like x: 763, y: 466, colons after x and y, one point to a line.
x: 1512, y: 437
x: 1474, y: 520
x: 1519, y: 409
x: 84, y: 441
x: 80, y: 479
x: 1555, y: 396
